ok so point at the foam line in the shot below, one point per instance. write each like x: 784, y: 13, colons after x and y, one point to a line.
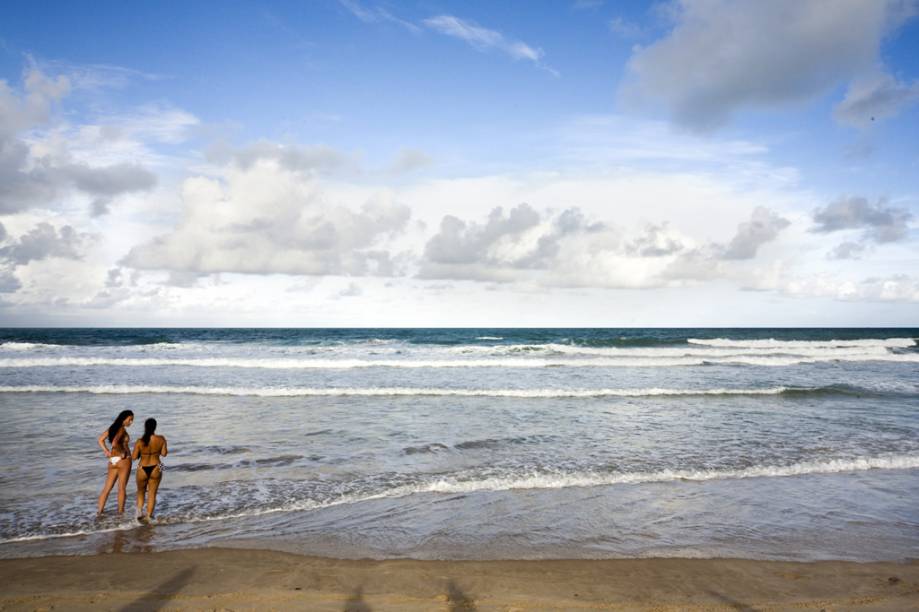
x: 326, y: 364
x: 406, y: 391
x: 453, y: 485
x: 773, y: 343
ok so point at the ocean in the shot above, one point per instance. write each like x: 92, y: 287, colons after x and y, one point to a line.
x: 796, y: 444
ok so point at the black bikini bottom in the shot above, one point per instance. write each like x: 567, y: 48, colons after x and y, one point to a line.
x: 148, y: 469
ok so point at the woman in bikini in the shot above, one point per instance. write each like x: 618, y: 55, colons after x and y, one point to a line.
x: 149, y: 449
x: 119, y: 459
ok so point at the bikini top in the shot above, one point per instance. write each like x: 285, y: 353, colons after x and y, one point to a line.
x: 146, y: 449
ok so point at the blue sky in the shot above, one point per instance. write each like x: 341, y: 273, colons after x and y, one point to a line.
x: 340, y: 163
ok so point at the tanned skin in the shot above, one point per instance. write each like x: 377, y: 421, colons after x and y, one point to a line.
x: 149, y: 454
x: 120, y: 472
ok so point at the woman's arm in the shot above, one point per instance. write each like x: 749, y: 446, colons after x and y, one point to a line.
x: 136, y: 452
x: 164, y: 451
x: 102, y: 440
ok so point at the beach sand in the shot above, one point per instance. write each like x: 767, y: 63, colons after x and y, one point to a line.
x: 237, y: 579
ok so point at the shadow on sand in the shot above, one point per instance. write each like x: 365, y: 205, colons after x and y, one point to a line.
x: 733, y: 603
x: 160, y: 593
x: 457, y: 599
x: 356, y: 602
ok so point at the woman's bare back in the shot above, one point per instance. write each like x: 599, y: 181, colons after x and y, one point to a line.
x: 150, y: 453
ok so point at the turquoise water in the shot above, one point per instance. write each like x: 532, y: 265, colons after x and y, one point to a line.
x: 476, y: 443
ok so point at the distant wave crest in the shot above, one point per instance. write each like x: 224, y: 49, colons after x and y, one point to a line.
x: 797, y: 344
x: 411, y: 391
x: 291, y: 363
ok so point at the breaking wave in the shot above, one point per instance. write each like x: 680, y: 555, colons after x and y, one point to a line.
x: 796, y: 344
x: 514, y: 480
x: 410, y: 391
x: 607, y: 362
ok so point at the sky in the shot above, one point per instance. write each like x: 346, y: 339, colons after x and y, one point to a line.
x: 487, y: 164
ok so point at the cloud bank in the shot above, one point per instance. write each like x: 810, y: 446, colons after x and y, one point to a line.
x: 31, y: 177
x: 722, y: 57
x: 263, y: 215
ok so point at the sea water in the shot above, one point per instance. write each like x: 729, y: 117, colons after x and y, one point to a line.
x: 472, y: 443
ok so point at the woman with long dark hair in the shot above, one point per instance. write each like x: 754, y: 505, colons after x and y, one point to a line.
x: 119, y: 458
x: 149, y: 449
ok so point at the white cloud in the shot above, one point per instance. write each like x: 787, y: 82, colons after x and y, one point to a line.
x: 893, y: 288
x: 568, y: 250
x: 657, y: 241
x: 722, y: 57
x: 875, y: 98
x: 880, y: 223
x: 484, y: 39
x: 763, y: 226
x: 266, y: 216
x: 848, y: 250
x: 44, y: 241
x: 34, y: 175
x: 376, y: 14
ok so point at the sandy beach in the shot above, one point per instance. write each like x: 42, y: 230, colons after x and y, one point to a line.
x: 236, y: 579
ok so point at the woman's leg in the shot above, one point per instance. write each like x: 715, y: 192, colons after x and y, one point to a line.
x: 141, y: 490
x: 110, y: 477
x: 153, y: 485
x: 124, y: 474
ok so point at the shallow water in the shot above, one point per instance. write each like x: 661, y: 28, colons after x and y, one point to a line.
x: 792, y: 444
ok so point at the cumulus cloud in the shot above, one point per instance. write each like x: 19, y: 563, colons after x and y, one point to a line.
x: 723, y: 56
x: 32, y: 179
x: 8, y: 281
x: 483, y: 39
x: 549, y: 249
x: 875, y: 98
x: 656, y: 241
x: 266, y: 216
x: 848, y: 250
x: 521, y: 239
x: 880, y: 223
x: 702, y: 263
x: 44, y: 241
x: 568, y: 250
x: 711, y: 261
x: 763, y: 226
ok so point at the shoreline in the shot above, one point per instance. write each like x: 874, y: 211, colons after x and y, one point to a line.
x: 216, y: 578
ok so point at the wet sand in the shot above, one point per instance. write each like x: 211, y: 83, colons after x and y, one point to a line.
x: 237, y: 579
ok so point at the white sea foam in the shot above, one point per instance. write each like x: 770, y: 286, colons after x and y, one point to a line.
x: 393, y: 391
x: 609, y: 362
x: 22, y: 346
x: 688, y: 351
x: 773, y: 343
x: 489, y: 338
x: 515, y: 481
x: 560, y: 481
